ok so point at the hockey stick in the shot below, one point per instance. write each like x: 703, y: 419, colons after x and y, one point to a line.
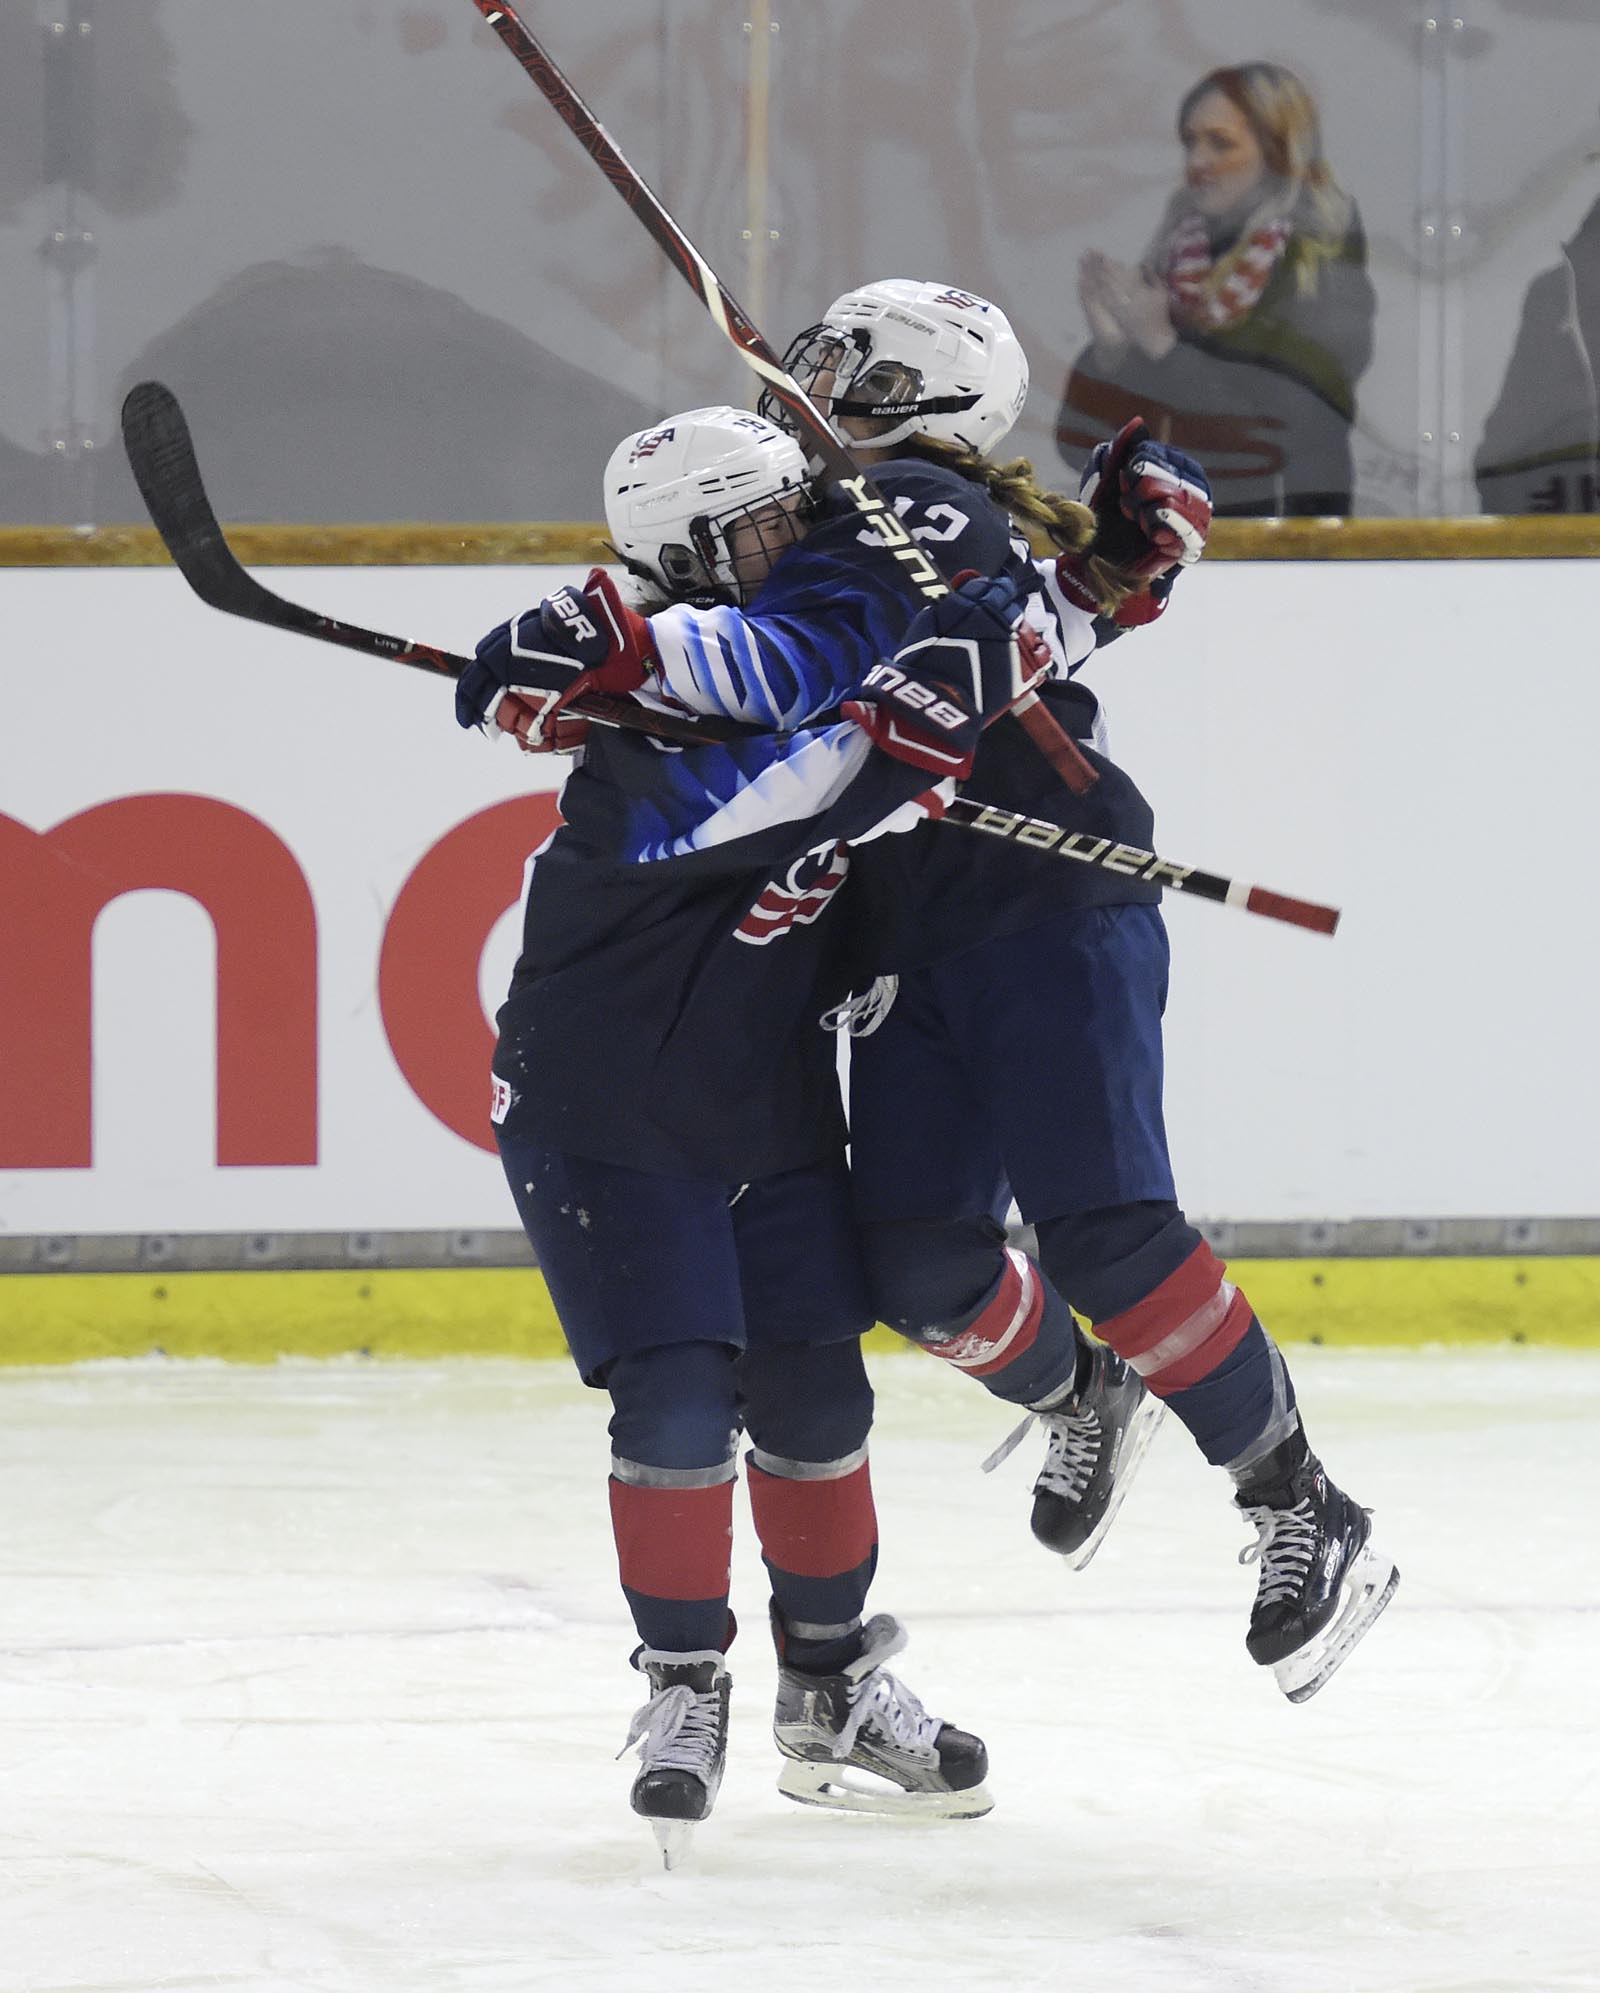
x: 1057, y: 746
x: 167, y: 472
x: 1039, y: 834
x: 156, y: 438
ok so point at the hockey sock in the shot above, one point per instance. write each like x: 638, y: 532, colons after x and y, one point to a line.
x: 1245, y: 1407
x: 674, y: 1537
x: 1195, y: 1341
x: 953, y: 1287
x: 1020, y: 1342
x: 819, y: 1541
x: 672, y: 1475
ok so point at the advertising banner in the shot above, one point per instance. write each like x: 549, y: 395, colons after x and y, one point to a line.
x: 258, y: 898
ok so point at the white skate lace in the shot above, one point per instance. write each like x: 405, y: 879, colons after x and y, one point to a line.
x: 677, y: 1730
x: 1070, y: 1457
x: 883, y: 1704
x: 1286, y: 1542
x: 861, y: 1014
x: 1010, y: 1443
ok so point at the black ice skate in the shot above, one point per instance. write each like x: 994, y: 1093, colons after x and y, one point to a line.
x: 1323, y: 1581
x: 1096, y: 1439
x: 863, y: 1720
x: 682, y: 1738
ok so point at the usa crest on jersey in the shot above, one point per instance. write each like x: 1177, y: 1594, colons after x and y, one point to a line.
x: 798, y: 898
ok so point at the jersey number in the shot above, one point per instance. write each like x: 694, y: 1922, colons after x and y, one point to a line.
x: 957, y: 523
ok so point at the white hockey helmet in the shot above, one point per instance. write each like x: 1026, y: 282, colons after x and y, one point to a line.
x: 675, y: 494
x: 945, y: 362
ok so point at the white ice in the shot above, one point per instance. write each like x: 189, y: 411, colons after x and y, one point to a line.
x: 313, y: 1677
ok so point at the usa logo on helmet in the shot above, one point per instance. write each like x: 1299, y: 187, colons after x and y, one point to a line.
x: 648, y: 445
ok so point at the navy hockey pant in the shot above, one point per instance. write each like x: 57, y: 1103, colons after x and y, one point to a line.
x: 1031, y: 1065
x: 704, y: 1309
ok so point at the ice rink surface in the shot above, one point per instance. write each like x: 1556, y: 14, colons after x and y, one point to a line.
x: 313, y: 1678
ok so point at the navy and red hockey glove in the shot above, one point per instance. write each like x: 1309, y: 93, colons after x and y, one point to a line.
x: 1152, y: 507
x: 967, y: 659
x: 1152, y: 504
x: 519, y: 683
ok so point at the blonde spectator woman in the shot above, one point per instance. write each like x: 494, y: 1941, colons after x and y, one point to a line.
x: 1244, y: 329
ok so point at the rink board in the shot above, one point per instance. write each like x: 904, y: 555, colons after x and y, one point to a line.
x: 256, y: 1317
x: 257, y: 993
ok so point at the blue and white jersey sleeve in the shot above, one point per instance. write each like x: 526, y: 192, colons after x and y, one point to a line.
x: 761, y: 787
x: 720, y: 807
x: 768, y: 671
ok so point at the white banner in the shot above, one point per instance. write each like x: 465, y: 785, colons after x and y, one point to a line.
x: 258, y: 898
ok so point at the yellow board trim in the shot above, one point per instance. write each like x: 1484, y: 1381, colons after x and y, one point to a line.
x: 579, y: 544
x: 258, y: 1316
x: 582, y: 543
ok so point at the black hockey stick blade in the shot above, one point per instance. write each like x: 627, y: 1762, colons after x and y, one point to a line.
x: 159, y: 447
x: 161, y: 453
x: 167, y: 472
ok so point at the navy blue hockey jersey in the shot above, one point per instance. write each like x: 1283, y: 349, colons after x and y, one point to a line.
x: 677, y: 951
x: 832, y: 607
x: 837, y: 603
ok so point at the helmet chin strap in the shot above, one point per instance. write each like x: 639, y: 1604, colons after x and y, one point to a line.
x: 911, y: 415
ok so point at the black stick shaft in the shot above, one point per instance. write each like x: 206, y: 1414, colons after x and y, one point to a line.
x: 1133, y: 862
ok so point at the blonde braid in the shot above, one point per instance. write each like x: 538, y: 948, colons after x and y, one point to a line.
x: 1050, y: 521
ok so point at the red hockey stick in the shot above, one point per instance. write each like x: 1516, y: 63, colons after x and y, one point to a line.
x: 1058, y: 747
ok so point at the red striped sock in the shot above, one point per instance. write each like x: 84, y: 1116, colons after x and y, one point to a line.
x: 673, y: 1543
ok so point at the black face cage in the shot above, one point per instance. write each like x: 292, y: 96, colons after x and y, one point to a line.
x: 765, y: 526
x: 822, y: 350
x: 887, y: 389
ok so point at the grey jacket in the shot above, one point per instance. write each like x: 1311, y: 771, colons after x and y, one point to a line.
x: 1541, y: 444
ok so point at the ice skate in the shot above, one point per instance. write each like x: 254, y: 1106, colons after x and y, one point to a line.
x: 860, y: 1741
x: 682, y: 1739
x: 1323, y: 1580
x: 1096, y: 1438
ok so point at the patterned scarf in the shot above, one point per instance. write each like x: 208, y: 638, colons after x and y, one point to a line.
x: 1206, y: 293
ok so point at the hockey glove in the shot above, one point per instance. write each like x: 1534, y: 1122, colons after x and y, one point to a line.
x: 967, y: 659
x: 1152, y: 507
x: 527, y: 674
x: 1152, y: 504
x: 539, y: 724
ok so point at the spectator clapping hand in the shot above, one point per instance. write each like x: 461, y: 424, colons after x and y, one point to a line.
x: 1124, y: 305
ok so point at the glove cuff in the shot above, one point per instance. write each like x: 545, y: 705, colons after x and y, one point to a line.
x: 939, y: 754
x: 1145, y: 605
x: 633, y: 635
